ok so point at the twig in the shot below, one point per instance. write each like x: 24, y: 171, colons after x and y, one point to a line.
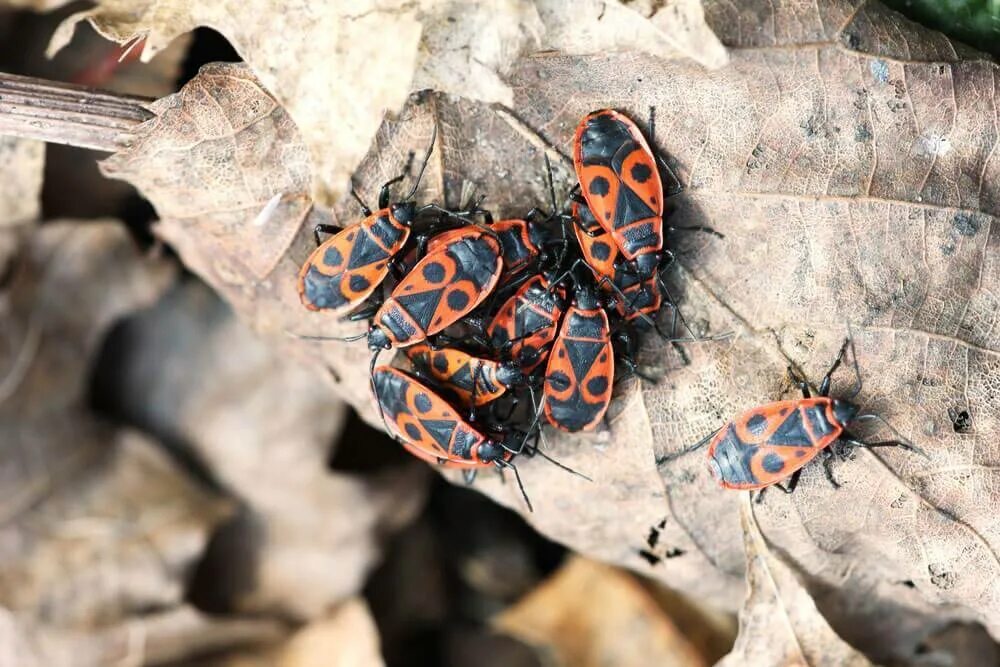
x: 63, y: 113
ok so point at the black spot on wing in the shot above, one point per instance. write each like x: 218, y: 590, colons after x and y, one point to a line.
x: 599, y: 186
x: 440, y: 363
x: 423, y: 403
x: 433, y: 272
x: 332, y: 256
x: 773, y: 463
x: 597, y: 385
x: 413, y: 432
x: 357, y: 283
x: 323, y: 291
x: 757, y: 423
x: 457, y: 300
x: 600, y: 250
x: 641, y: 172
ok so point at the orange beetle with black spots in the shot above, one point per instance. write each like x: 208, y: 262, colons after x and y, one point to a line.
x: 770, y: 443
x: 349, y: 266
x: 346, y: 269
x: 581, y: 366
x: 526, y: 324
x: 520, y: 240
x: 620, y: 181
x: 440, y: 289
x: 428, y: 426
x: 474, y: 380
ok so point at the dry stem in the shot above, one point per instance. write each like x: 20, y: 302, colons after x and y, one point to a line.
x: 63, y: 113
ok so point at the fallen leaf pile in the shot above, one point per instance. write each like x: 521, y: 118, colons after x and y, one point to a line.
x: 848, y: 155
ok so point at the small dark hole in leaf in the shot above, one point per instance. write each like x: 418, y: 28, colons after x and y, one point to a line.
x: 961, y: 420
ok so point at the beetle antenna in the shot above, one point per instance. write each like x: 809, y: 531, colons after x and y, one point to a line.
x: 520, y: 485
x: 562, y: 465
x: 423, y: 165
x: 687, y: 450
x: 348, y: 339
x: 857, y: 369
x: 900, y: 440
x: 552, y: 188
x: 378, y: 399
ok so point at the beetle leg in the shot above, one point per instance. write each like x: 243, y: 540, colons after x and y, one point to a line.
x: 793, y: 481
x: 800, y: 381
x: 824, y: 386
x: 828, y: 469
x: 881, y: 443
x: 364, y: 207
x: 469, y: 475
x: 323, y: 228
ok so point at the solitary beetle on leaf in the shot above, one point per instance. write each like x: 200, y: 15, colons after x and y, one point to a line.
x: 770, y: 443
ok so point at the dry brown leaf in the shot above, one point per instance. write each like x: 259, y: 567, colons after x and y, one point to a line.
x: 663, y: 29
x: 314, y: 56
x: 462, y: 48
x: 36, y: 5
x: 589, y: 614
x: 157, y: 638
x: 779, y: 623
x: 97, y: 526
x: 849, y: 157
x: 346, y: 638
x: 307, y: 537
x: 21, y: 163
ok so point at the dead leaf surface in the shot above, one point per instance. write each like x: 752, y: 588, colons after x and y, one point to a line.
x: 462, y: 48
x: 589, y: 614
x: 850, y: 158
x: 663, y: 29
x: 779, y: 623
x: 346, y: 638
x: 99, y: 530
x: 307, y: 537
x: 21, y: 162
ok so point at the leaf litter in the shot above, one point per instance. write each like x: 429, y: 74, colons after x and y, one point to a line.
x: 810, y: 152
x: 824, y: 224
x: 83, y: 572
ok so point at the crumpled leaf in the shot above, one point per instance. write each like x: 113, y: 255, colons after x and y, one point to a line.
x: 662, y: 29
x: 589, y: 614
x: 21, y: 163
x: 157, y: 638
x: 463, y: 48
x: 848, y: 156
x: 346, y: 638
x: 779, y: 622
x: 97, y: 526
x: 307, y: 537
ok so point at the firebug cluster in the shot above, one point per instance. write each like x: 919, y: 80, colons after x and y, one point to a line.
x: 508, y: 324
